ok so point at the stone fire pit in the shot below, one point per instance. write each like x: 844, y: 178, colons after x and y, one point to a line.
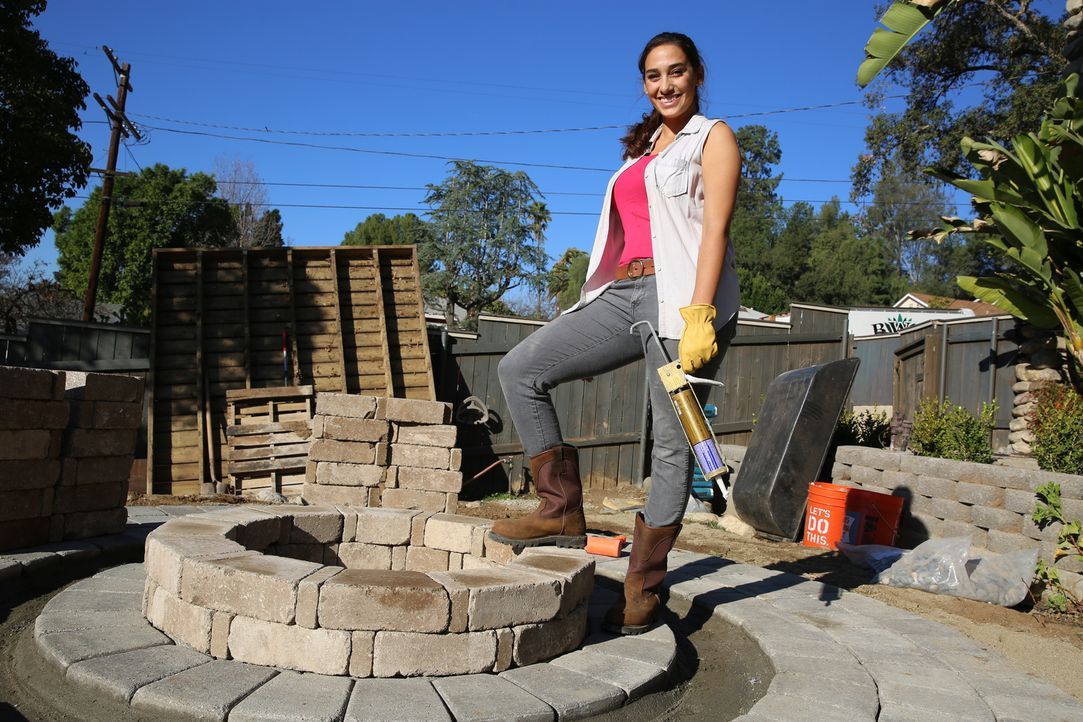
x: 364, y: 592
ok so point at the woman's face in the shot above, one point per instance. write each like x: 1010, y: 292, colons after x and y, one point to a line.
x: 670, y: 82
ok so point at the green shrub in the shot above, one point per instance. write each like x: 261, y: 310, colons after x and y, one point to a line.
x: 864, y: 429
x: 951, y: 432
x: 1057, y: 423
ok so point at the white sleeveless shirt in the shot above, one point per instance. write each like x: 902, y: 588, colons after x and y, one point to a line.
x: 675, y: 201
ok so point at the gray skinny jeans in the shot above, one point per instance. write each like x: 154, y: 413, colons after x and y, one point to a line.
x: 591, y: 341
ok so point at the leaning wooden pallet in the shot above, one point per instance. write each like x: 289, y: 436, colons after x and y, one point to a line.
x: 343, y: 319
x: 269, y: 433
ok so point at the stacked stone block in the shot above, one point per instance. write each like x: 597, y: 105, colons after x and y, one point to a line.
x: 383, y: 452
x: 106, y: 411
x: 1040, y: 362
x: 402, y: 592
x: 66, y: 446
x: 990, y: 503
x: 33, y: 415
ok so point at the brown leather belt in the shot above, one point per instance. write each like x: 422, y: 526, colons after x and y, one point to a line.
x: 635, y: 268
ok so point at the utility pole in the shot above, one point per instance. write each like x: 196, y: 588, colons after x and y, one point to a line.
x: 120, y: 125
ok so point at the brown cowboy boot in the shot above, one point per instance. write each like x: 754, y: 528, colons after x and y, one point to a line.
x: 636, y: 612
x: 559, y: 519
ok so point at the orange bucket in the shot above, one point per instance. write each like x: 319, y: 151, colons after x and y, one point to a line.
x: 882, y: 515
x: 827, y: 519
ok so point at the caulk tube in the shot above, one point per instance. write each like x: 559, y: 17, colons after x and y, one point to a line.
x: 693, y: 421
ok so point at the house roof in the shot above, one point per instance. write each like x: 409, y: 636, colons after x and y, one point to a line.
x: 928, y: 300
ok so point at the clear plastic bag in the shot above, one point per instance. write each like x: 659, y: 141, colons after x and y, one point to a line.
x: 944, y: 566
x: 871, y: 556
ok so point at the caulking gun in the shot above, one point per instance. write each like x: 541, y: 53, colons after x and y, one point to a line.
x: 689, y: 412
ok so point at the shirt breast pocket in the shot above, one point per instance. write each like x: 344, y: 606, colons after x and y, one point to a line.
x: 672, y: 176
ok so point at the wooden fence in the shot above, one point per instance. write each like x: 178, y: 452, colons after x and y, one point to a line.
x: 970, y: 361
x: 606, y: 417
x: 344, y: 319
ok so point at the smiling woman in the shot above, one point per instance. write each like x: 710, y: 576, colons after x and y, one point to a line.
x: 661, y: 257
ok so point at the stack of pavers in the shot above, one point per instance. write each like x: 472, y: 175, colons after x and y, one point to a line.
x: 370, y: 451
x: 106, y: 411
x: 33, y: 414
x: 66, y: 446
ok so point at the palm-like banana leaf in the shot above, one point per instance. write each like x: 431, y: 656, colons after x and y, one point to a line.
x: 903, y: 20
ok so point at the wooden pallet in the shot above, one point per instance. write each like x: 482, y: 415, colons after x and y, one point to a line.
x: 345, y: 319
x: 269, y: 433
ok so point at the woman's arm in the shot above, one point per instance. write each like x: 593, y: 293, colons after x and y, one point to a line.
x: 721, y: 175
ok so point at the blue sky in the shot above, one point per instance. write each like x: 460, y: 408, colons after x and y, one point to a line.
x: 428, y: 67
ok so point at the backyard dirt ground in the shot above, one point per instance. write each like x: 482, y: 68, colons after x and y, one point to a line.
x: 1050, y: 648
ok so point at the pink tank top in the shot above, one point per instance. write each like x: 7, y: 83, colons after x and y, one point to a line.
x: 630, y: 200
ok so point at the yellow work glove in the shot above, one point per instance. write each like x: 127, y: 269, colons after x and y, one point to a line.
x: 697, y: 345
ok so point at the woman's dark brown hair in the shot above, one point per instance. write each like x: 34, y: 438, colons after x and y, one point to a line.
x: 638, y: 137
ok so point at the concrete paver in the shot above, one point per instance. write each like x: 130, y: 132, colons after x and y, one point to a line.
x: 635, y: 678
x: 571, y: 694
x: 295, y: 697
x: 490, y: 698
x: 120, y: 675
x: 205, y: 692
x: 67, y: 648
x: 836, y: 654
x: 407, y: 700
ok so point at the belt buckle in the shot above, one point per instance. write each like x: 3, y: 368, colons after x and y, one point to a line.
x: 635, y: 268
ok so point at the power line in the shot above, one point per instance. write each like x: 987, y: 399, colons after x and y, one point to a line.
x: 370, y: 151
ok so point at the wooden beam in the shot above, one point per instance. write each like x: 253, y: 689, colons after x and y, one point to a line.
x: 148, y: 388
x: 389, y: 383
x: 338, y: 320
x: 247, y: 322
x: 424, y: 329
x: 201, y: 423
x: 295, y: 364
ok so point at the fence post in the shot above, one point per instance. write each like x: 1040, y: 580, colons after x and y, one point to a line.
x: 942, y: 380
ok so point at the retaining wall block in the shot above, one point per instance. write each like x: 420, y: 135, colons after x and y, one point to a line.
x: 425, y: 457
x: 327, y: 494
x: 337, y: 473
x: 996, y: 518
x: 257, y: 641
x: 980, y: 494
x: 22, y: 383
x: 430, y: 480
x: 404, y: 653
x: 183, y: 622
x: 451, y: 532
x: 538, y: 642
x: 347, y: 429
x: 576, y: 574
x: 368, y: 599
x: 359, y: 555
x: 432, y: 501
x: 351, y: 452
x: 261, y: 587
x: 426, y: 435
x: 503, y: 597
x: 308, y: 595
x: 415, y: 411
x: 348, y: 405
x: 384, y: 526
x: 423, y: 559
x: 361, y: 654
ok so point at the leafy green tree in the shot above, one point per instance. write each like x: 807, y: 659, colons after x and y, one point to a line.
x: 267, y: 231
x: 567, y: 276
x: 488, y: 229
x: 161, y: 207
x: 900, y: 205
x: 846, y: 268
x: 758, y: 206
x: 1008, y: 45
x: 379, y: 230
x: 42, y: 162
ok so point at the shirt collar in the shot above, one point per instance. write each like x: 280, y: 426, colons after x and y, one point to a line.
x: 694, y: 124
